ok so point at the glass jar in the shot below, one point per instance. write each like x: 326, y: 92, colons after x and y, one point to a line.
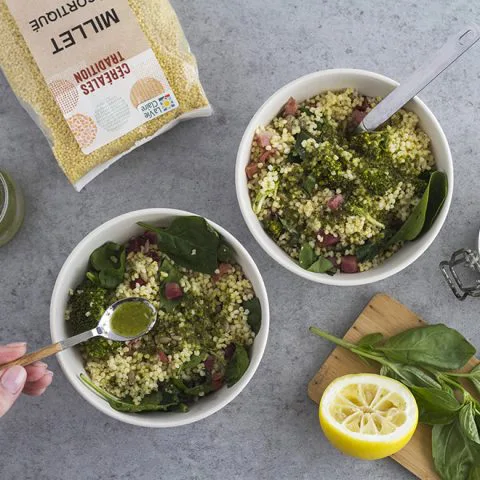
x: 462, y: 273
x: 11, y: 208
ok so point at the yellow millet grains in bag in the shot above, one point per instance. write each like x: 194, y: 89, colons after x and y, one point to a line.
x: 164, y: 33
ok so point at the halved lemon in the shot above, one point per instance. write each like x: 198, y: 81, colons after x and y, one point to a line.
x: 368, y: 416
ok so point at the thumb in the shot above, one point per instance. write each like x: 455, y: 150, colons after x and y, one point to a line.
x: 11, y: 385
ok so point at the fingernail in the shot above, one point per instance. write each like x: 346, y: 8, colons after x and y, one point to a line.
x: 40, y: 364
x: 16, y: 345
x: 49, y: 372
x: 13, y: 379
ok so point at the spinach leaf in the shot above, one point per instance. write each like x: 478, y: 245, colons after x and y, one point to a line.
x: 435, y: 406
x: 225, y: 252
x: 438, y: 190
x: 467, y: 422
x: 193, y: 391
x: 309, y: 184
x: 307, y: 256
x: 192, y: 363
x: 370, y: 340
x: 107, y: 265
x: 155, y: 401
x: 298, y: 148
x: 189, y: 242
x: 255, y: 314
x: 367, y: 251
x: 321, y: 265
x: 455, y: 457
x: 174, y: 276
x: 426, y: 211
x: 237, y: 366
x: 197, y: 390
x: 435, y: 346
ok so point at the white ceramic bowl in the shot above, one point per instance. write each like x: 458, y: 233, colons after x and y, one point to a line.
x: 367, y: 83
x: 120, y: 229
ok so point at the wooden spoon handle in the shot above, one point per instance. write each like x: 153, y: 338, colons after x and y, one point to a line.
x: 34, y: 356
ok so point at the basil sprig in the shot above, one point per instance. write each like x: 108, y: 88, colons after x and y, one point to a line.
x: 425, y: 359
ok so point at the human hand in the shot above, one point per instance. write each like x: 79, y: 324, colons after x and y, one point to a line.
x: 32, y: 379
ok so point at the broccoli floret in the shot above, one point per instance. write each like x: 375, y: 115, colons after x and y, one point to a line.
x: 273, y: 227
x: 98, y: 348
x: 378, y: 180
x: 86, y: 307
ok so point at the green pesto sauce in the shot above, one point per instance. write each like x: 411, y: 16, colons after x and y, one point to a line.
x: 131, y: 319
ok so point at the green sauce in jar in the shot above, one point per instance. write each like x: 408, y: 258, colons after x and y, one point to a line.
x: 11, y: 208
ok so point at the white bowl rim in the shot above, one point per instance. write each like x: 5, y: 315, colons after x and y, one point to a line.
x: 145, y: 420
x: 266, y: 242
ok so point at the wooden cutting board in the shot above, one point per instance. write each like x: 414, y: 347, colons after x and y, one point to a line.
x: 385, y: 315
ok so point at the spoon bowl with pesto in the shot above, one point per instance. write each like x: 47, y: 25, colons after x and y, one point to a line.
x: 125, y: 320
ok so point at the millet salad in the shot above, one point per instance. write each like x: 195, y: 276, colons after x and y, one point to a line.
x: 338, y: 201
x: 208, y: 316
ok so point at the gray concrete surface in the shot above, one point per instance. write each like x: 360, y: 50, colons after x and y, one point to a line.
x: 246, y: 50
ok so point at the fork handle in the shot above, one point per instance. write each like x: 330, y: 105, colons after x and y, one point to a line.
x: 455, y: 46
x: 34, y: 356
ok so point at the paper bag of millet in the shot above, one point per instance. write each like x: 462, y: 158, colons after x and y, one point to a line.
x: 99, y: 77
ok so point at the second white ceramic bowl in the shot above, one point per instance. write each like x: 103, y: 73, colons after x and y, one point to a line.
x: 120, y: 230
x: 367, y: 83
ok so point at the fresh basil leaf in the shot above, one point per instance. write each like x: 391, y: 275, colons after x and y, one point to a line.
x: 321, y: 265
x: 455, y: 457
x: 370, y: 340
x: 307, y: 256
x: 254, y: 314
x: 435, y: 418
x: 415, y: 377
x: 435, y: 346
x: 474, y: 377
x: 426, y: 211
x: 467, y: 422
x: 446, y: 387
x: 475, y: 471
x: 107, y: 265
x: 435, y: 406
x: 309, y: 184
x: 189, y: 242
x: 237, y: 366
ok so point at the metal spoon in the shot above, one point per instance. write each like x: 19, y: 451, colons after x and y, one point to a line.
x: 455, y: 46
x: 103, y: 329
